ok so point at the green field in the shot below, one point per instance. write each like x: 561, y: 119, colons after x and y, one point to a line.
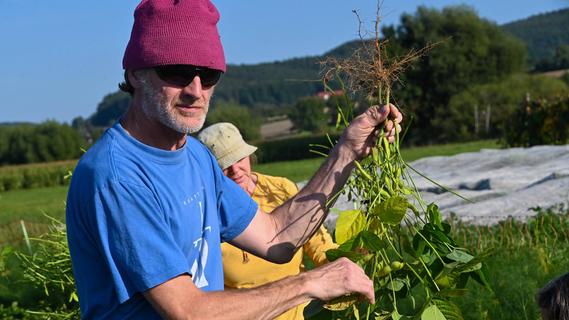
x: 301, y: 170
x: 526, y: 255
x: 29, y: 206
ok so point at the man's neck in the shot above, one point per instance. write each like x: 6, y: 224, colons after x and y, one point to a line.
x: 150, y: 131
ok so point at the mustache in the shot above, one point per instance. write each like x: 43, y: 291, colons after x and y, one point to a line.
x: 195, y: 102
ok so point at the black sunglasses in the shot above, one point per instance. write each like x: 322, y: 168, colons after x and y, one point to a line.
x: 181, y: 75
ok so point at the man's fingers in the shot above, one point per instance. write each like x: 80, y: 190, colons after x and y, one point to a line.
x: 386, y: 113
x: 379, y: 113
x: 393, y: 131
x: 360, y: 282
x: 388, y: 126
x: 395, y: 114
x: 366, y: 289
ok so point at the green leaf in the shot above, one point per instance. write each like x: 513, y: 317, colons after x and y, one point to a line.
x: 334, y: 254
x: 348, y: 225
x: 432, y: 313
x: 433, y: 234
x: 434, y: 214
x: 480, y: 277
x: 349, y: 245
x: 392, y: 210
x: 476, y: 263
x: 470, y: 268
x: 395, y: 315
x: 453, y: 292
x: 460, y: 256
x: 450, y: 310
x: 356, y: 312
x: 395, y: 284
x: 419, y: 244
x: 371, y: 241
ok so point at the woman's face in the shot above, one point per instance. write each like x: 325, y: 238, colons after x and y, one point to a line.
x: 240, y: 172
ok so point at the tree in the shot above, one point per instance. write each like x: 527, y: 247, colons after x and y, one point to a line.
x: 309, y: 114
x: 560, y: 60
x: 248, y: 124
x: 542, y: 33
x: 48, y: 141
x: 483, y: 111
x: 470, y: 51
x: 538, y: 122
x: 110, y: 109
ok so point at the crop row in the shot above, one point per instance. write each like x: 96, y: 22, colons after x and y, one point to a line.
x: 36, y: 175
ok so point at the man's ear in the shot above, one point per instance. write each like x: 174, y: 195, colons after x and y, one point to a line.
x: 134, y: 78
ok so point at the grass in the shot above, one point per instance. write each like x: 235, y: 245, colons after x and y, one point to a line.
x: 297, y: 170
x: 70, y: 163
x: 301, y: 170
x: 526, y: 257
x: 29, y: 205
x: 415, y: 153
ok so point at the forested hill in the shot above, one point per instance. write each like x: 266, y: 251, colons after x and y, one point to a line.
x: 274, y: 84
x: 542, y: 33
x: 277, y: 83
x: 282, y: 83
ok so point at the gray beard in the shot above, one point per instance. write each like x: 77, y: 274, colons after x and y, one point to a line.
x: 154, y: 107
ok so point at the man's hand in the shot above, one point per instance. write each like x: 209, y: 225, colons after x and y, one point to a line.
x: 362, y: 133
x: 179, y: 298
x: 338, y: 278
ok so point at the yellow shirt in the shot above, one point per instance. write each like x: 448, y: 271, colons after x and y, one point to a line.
x: 244, y: 270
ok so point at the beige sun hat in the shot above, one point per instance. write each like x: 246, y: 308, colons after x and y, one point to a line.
x: 226, y: 143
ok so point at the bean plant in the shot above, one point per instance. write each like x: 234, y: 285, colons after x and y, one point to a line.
x: 402, y: 243
x: 48, y: 268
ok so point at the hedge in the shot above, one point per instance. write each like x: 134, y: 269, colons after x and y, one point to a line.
x: 57, y: 173
x: 295, y: 148
x: 539, y: 122
x: 36, y: 175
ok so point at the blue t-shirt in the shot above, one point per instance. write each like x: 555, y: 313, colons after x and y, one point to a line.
x: 138, y: 216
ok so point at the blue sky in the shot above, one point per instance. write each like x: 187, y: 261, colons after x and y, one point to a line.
x: 59, y: 58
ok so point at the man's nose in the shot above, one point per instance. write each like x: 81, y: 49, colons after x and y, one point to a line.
x: 194, y: 88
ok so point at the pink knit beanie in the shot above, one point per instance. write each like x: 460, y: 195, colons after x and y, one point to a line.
x: 174, y: 32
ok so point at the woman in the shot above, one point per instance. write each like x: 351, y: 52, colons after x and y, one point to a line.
x: 241, y: 269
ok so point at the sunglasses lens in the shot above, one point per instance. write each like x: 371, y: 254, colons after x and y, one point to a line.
x: 183, y: 75
x: 209, y: 77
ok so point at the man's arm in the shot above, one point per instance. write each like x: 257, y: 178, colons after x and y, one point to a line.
x: 179, y: 298
x: 278, y: 235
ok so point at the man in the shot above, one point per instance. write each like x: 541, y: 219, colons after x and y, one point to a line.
x: 148, y: 206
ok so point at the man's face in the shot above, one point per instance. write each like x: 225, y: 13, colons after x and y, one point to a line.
x: 182, y: 109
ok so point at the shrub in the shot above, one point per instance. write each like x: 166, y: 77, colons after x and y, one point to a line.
x: 308, y: 114
x: 539, y: 122
x: 36, y: 175
x: 295, y: 148
x: 248, y: 124
x: 47, y: 275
